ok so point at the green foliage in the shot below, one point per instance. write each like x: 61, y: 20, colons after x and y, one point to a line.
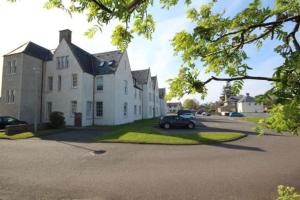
x: 57, y: 120
x: 287, y: 193
x: 285, y: 118
x: 191, y: 104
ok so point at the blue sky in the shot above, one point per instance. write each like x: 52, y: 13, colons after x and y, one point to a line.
x: 26, y: 20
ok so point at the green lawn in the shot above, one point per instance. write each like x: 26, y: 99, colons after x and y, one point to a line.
x: 16, y: 136
x: 28, y: 134
x: 144, y: 131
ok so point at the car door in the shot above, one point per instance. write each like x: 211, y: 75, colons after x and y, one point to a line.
x: 180, y: 121
x: 2, y: 126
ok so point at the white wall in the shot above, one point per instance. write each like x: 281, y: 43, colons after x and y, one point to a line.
x: 61, y: 100
x: 250, y: 107
x: 107, y: 96
x: 124, y: 73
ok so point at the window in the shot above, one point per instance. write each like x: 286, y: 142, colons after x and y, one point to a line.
x: 135, y: 93
x: 125, y: 109
x: 99, y: 109
x: 50, y: 83
x: 9, y: 67
x: 12, y: 97
x: 89, y: 105
x: 99, y: 83
x: 125, y: 86
x: 140, y: 110
x: 150, y: 110
x: 14, y: 67
x: 73, y: 107
x: 149, y: 96
x: 74, y: 80
x: 59, y: 83
x: 49, y: 109
x: 66, y: 61
x: 135, y: 110
x: 7, y: 96
x: 62, y: 62
x: 140, y: 94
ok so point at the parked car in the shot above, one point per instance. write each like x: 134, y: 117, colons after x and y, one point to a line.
x: 181, y: 112
x: 7, y: 120
x: 188, y: 115
x: 176, y: 121
x: 205, y: 114
x: 236, y: 114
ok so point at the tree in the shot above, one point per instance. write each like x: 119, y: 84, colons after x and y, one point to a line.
x: 215, y: 39
x: 191, y: 104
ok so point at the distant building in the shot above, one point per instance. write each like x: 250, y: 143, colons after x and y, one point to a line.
x: 174, y: 107
x: 247, y: 104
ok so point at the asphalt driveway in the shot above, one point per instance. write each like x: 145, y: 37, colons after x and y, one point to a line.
x: 59, y: 167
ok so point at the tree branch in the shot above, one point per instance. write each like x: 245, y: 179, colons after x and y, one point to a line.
x: 134, y: 4
x: 102, y: 6
x: 259, y: 26
x: 293, y: 35
x: 240, y: 78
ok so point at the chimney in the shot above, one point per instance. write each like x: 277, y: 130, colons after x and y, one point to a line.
x: 65, y: 34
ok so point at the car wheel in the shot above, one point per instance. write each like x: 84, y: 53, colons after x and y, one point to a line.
x: 191, y: 125
x: 167, y: 126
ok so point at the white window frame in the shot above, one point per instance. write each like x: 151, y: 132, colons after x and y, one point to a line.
x: 99, y: 83
x: 73, y: 108
x: 99, y: 109
x: 74, y: 81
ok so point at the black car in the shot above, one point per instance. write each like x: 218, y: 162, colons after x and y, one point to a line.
x: 181, y: 112
x: 176, y: 121
x: 7, y: 120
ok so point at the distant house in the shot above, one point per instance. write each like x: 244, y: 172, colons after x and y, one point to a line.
x: 229, y: 104
x: 174, y: 107
x: 247, y: 104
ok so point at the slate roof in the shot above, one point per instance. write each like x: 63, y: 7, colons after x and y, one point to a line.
x: 33, y: 50
x: 87, y: 61
x: 141, y: 76
x: 109, y: 62
x: 235, y: 98
x: 162, y: 92
x: 247, y: 98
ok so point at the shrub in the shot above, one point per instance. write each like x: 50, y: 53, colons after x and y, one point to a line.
x: 57, y: 120
x: 287, y: 193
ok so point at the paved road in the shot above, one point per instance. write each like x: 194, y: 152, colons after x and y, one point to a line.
x: 64, y: 168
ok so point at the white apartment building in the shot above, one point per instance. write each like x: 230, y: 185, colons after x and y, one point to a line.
x: 91, y: 88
